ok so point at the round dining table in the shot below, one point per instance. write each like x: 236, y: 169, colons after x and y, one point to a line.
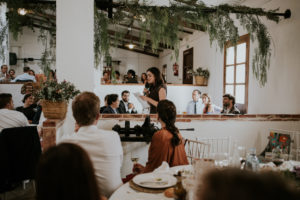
x: 125, y: 192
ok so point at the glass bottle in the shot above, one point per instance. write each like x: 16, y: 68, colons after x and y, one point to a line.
x: 252, y: 162
x: 179, y: 191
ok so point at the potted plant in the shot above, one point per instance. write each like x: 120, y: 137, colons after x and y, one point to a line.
x: 54, y: 98
x: 201, y: 76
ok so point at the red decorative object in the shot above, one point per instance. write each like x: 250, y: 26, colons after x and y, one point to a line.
x: 175, y: 69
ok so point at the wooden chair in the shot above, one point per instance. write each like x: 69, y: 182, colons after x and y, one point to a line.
x: 218, y: 145
x: 196, y: 149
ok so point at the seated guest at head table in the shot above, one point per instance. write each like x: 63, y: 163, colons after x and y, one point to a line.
x: 117, y: 77
x: 105, y: 104
x: 229, y: 105
x: 144, y: 78
x: 195, y: 106
x: 31, y: 72
x: 131, y: 78
x: 12, y: 74
x: 25, y: 77
x: 65, y: 172
x: 125, y: 106
x: 103, y: 146
x: 29, y: 108
x: 155, y: 89
x: 209, y: 107
x: 166, y: 144
x: 10, y: 118
x: 236, y: 184
x: 105, y: 78
x: 112, y: 104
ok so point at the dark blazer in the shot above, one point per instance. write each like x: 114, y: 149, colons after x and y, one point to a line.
x: 109, y: 109
x: 122, y: 108
x: 102, y: 109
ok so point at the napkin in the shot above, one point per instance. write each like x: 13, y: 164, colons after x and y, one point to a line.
x: 163, y: 168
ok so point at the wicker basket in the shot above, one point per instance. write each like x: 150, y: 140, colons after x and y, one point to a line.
x: 200, y: 80
x: 54, y: 110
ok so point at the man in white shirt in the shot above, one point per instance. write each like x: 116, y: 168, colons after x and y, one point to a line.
x: 25, y: 76
x: 104, y: 147
x: 125, y: 106
x: 196, y: 106
x: 10, y: 118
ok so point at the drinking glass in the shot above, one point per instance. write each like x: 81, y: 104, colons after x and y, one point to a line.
x: 242, y: 153
x: 134, y: 158
x: 221, y: 159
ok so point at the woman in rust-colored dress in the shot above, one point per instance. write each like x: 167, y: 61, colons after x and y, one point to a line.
x: 167, y: 144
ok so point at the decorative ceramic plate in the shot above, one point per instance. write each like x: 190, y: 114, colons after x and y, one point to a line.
x: 153, y: 180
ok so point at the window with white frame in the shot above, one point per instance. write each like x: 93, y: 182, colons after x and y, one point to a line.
x: 236, y: 70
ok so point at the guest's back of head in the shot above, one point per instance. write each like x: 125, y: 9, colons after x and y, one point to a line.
x: 5, y: 99
x: 235, y: 184
x: 65, y: 172
x: 86, y: 108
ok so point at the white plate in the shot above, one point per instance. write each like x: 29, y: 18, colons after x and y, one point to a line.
x: 153, y: 180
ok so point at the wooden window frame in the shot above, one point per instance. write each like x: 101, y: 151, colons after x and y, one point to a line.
x: 243, y: 39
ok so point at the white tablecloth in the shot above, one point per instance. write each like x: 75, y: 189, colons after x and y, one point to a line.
x: 125, y: 192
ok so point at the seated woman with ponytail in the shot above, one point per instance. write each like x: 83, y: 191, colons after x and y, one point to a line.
x: 167, y: 143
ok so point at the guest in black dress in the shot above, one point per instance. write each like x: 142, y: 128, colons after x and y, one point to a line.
x: 157, y: 89
x: 29, y: 108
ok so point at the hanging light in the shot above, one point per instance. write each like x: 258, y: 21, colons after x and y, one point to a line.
x: 130, y: 46
x: 22, y: 11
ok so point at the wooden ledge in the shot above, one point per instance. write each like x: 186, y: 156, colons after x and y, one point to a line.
x: 188, y: 118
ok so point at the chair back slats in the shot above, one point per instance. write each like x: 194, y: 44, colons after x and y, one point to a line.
x: 196, y: 149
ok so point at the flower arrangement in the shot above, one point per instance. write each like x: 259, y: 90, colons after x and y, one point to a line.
x: 57, y: 92
x: 200, y: 72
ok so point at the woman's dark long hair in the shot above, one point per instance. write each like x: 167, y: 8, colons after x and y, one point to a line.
x: 158, y: 77
x: 65, y: 172
x: 167, y: 113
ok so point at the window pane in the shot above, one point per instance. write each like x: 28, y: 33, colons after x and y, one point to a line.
x: 240, y: 94
x: 241, y: 53
x: 229, y: 89
x: 229, y: 74
x: 240, y: 73
x: 230, y: 56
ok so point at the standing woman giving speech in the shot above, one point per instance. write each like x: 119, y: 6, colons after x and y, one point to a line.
x: 157, y: 89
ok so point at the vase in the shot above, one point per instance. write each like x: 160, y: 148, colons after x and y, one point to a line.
x: 54, y: 110
x: 200, y: 80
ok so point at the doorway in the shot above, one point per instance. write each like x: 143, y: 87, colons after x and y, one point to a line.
x: 187, y: 65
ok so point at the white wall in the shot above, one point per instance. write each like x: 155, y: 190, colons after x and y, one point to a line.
x: 3, y: 22
x: 280, y: 94
x: 27, y: 46
x: 131, y: 60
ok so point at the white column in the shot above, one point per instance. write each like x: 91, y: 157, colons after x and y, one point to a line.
x: 75, y: 42
x: 4, y: 45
